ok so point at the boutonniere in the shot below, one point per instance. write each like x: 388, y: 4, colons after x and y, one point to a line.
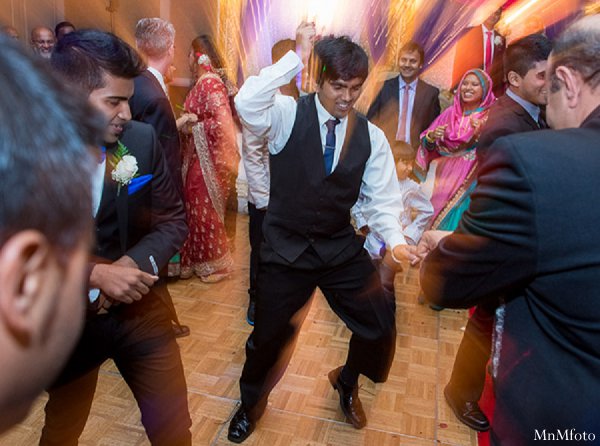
x: 124, y: 165
x: 498, y: 40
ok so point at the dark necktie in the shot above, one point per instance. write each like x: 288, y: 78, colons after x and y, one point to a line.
x: 541, y: 122
x: 330, y: 144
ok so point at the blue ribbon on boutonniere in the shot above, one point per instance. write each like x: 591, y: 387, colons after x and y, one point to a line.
x: 137, y: 183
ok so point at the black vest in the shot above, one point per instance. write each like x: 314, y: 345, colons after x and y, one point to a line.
x: 307, y: 208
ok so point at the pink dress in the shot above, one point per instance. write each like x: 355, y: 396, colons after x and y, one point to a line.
x: 455, y: 155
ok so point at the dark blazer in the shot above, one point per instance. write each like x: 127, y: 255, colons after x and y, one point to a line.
x: 531, y: 234
x: 149, y: 104
x: 469, y: 55
x: 148, y: 222
x: 384, y: 110
x: 506, y: 117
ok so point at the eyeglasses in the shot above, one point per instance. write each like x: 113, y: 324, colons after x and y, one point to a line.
x: 42, y: 42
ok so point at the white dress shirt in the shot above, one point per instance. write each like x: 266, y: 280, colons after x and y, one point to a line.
x: 272, y: 116
x: 98, y: 185
x: 255, y: 156
x: 97, y: 181
x: 415, y: 202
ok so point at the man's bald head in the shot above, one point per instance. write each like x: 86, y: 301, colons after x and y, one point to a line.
x: 42, y: 41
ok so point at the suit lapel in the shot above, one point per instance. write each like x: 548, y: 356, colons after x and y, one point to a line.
x: 122, y: 216
x: 523, y: 114
x: 395, y: 99
x: 112, y: 196
x: 419, y: 99
x: 109, y: 190
x: 155, y: 84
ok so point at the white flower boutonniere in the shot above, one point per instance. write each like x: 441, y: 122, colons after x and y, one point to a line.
x: 498, y: 40
x: 125, y: 166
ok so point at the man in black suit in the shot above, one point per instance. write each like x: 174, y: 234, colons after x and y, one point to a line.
x: 531, y: 235
x: 481, y: 47
x: 155, y: 39
x: 140, y: 223
x: 516, y: 112
x: 403, y: 117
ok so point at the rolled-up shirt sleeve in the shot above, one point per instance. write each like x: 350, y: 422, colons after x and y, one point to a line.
x: 381, y: 205
x: 262, y: 111
x: 256, y: 165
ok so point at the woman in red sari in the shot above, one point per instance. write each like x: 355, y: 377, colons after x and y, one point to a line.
x: 210, y: 159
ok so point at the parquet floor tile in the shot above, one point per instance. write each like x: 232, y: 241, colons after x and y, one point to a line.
x: 408, y: 410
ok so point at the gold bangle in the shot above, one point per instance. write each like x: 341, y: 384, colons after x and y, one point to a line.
x: 394, y: 257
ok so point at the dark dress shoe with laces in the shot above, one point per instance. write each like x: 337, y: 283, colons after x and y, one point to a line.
x: 468, y: 412
x: 181, y: 331
x: 349, y: 401
x: 240, y: 426
x: 251, y: 312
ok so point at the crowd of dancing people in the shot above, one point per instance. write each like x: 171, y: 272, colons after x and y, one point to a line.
x: 484, y: 196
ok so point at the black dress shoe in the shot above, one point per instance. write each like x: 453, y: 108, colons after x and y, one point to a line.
x: 240, y: 426
x: 349, y: 401
x: 468, y: 412
x: 435, y: 307
x: 181, y: 331
x: 251, y: 312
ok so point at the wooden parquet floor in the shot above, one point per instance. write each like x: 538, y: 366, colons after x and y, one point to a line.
x: 408, y: 410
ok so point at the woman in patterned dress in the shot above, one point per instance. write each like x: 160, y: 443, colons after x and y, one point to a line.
x: 210, y: 159
x: 451, y: 140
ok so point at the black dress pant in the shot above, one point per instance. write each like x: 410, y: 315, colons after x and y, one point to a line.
x: 352, y: 289
x: 468, y: 373
x: 255, y: 234
x: 139, y: 338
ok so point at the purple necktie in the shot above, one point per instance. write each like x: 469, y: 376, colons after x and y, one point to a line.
x: 401, y: 133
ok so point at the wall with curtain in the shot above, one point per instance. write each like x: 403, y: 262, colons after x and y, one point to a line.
x: 190, y: 17
x: 25, y: 15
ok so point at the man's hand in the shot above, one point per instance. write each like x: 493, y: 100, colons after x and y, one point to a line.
x: 402, y: 253
x: 429, y: 242
x: 305, y: 38
x: 122, y: 280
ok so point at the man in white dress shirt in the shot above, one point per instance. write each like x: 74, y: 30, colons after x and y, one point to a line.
x: 255, y: 156
x: 323, y: 154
